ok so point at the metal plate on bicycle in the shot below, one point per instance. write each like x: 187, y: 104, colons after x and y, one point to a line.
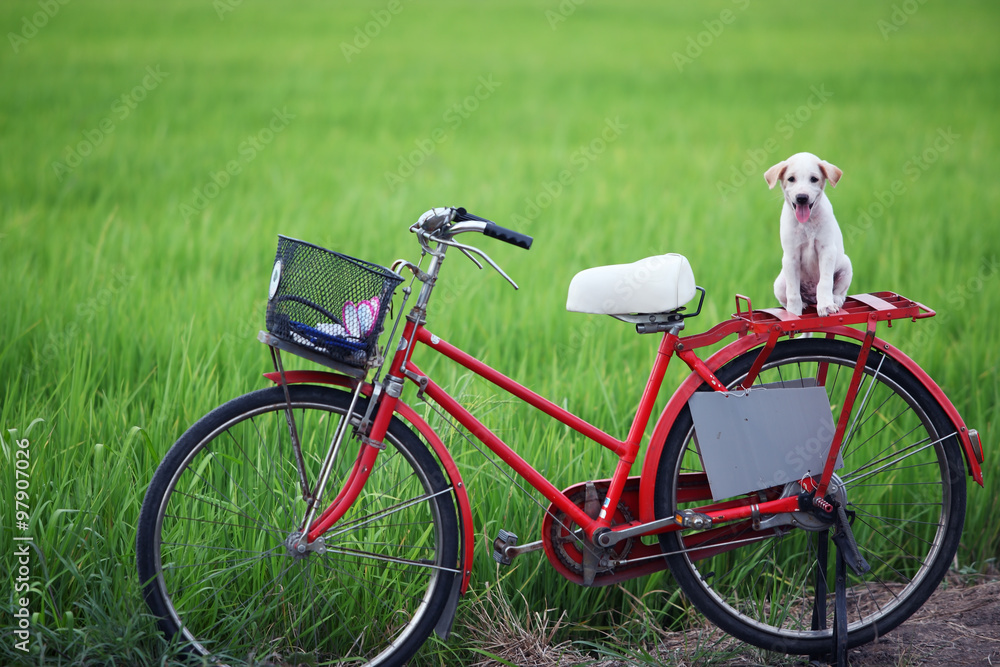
x: 764, y: 437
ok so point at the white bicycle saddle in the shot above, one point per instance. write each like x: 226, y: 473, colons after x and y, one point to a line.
x: 655, y: 284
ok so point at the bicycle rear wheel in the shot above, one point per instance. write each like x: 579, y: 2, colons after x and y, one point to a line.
x: 903, y: 478
x: 214, y: 554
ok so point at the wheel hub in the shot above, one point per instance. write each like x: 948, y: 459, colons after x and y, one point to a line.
x: 816, y: 520
x: 298, y: 549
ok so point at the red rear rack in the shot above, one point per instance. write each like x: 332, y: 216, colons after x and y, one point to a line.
x: 857, y: 309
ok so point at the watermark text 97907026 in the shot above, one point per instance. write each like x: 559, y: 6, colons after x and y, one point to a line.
x: 21, y: 566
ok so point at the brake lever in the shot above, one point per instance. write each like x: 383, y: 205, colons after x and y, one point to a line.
x: 471, y: 258
x: 467, y: 249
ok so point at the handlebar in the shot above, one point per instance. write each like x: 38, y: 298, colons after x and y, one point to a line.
x: 495, y: 231
x: 446, y: 222
x: 442, y: 224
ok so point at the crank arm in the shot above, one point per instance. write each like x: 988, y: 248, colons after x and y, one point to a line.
x: 505, y: 547
x: 612, y: 537
x: 524, y: 548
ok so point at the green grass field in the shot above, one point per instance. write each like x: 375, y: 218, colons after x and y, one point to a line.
x: 150, y: 155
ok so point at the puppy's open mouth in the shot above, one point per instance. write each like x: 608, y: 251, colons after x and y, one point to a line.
x: 802, y: 212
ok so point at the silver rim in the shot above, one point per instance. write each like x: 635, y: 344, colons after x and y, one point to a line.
x: 393, y: 538
x: 891, y: 444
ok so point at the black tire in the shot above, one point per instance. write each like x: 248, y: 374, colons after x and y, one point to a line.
x: 903, y: 475
x: 211, y: 549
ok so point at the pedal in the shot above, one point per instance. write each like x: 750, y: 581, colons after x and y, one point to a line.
x: 504, y: 539
x: 692, y: 519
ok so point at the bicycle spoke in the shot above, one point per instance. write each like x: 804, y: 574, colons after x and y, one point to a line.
x: 860, y: 410
x: 260, y: 521
x: 886, y: 423
x: 262, y: 445
x: 354, y: 524
x: 850, y: 479
x: 229, y: 510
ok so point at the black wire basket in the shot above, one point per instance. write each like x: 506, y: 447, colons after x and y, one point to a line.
x: 329, y: 303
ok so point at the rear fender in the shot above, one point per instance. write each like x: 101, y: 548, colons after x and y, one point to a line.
x: 972, y: 459
x: 746, y: 343
x: 409, y: 415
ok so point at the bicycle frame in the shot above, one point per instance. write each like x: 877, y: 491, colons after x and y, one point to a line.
x: 754, y: 329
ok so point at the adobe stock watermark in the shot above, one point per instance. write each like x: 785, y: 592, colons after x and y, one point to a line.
x: 22, y: 488
x: 30, y: 26
x: 563, y: 11
x: 223, y: 7
x: 363, y: 35
x: 250, y: 325
x: 121, y: 109
x: 758, y: 159
x: 452, y: 119
x: 247, y: 152
x: 960, y: 297
x: 699, y: 43
x: 59, y: 343
x: 913, y: 169
x: 580, y: 160
x: 899, y: 17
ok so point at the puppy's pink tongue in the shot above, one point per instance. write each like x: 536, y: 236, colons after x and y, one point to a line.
x: 802, y: 212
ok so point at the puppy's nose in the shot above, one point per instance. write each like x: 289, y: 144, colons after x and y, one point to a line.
x: 801, y: 199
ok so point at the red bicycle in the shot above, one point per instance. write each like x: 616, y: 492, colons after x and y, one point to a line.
x: 323, y: 520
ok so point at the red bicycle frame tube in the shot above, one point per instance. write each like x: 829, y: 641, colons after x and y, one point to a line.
x: 625, y: 450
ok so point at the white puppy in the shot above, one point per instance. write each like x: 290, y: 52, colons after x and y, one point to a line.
x: 814, y: 268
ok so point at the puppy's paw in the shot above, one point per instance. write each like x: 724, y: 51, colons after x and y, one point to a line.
x: 794, y: 306
x: 838, y: 300
x: 828, y: 306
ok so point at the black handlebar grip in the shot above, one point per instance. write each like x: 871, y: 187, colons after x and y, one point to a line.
x: 493, y: 230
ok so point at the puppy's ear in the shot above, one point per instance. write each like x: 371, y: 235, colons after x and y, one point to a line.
x: 774, y: 174
x: 831, y: 171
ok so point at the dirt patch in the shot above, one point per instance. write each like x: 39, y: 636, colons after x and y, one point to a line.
x: 958, y: 625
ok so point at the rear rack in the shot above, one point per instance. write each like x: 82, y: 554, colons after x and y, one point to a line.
x: 857, y: 309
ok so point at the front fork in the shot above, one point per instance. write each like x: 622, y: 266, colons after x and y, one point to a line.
x: 371, y: 445
x: 371, y: 436
x: 312, y: 527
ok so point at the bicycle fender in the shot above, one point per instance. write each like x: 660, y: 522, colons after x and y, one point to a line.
x: 972, y: 460
x: 749, y: 342
x: 409, y: 415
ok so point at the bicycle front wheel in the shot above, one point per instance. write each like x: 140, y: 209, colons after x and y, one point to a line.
x: 903, y: 481
x: 217, y: 557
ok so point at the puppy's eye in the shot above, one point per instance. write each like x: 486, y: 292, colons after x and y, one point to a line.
x: 813, y: 179
x: 791, y: 179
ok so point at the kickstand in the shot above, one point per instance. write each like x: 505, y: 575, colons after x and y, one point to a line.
x: 819, y: 601
x: 838, y: 655
x: 848, y: 556
x: 840, y: 611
